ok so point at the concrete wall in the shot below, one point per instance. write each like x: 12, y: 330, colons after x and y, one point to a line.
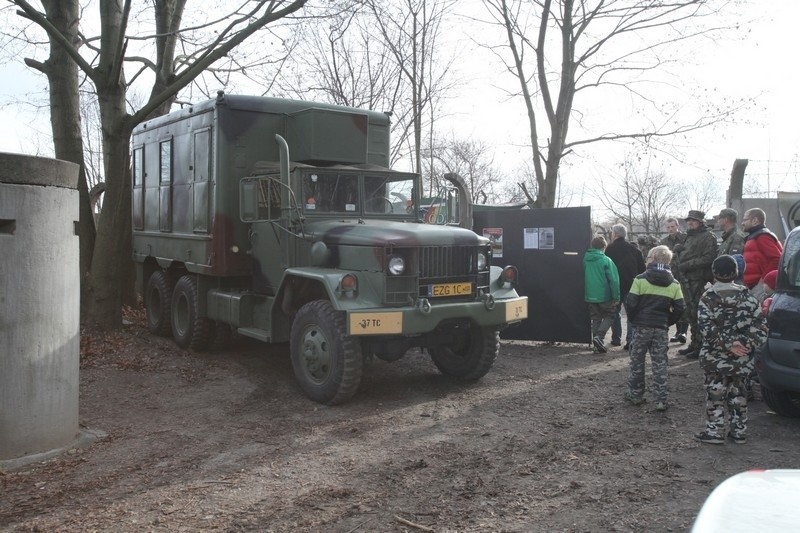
x: 39, y: 305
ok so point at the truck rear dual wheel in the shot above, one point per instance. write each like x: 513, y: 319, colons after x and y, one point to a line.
x: 188, y: 328
x: 327, y: 362
x: 471, y: 356
x: 158, y: 303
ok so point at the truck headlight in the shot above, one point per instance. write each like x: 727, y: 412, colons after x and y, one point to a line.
x: 397, y: 265
x: 481, y: 261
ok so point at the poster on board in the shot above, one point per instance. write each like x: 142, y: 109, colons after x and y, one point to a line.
x: 495, y: 235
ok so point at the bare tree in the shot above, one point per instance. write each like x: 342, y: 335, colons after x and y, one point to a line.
x: 703, y: 193
x: 560, y: 49
x: 65, y: 116
x: 411, y: 30
x: 642, y: 199
x: 105, y: 68
x: 473, y: 161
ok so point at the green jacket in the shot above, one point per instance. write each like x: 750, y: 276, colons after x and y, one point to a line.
x: 732, y: 243
x: 697, y: 254
x: 601, y: 279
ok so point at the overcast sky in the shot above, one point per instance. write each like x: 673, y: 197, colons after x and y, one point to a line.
x: 761, y: 65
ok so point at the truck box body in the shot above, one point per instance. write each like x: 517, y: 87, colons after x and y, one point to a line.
x: 187, y: 166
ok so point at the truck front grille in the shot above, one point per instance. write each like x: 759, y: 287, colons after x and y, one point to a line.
x: 437, y: 265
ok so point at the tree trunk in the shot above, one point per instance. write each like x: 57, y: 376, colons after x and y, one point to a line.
x: 62, y: 77
x: 112, y: 255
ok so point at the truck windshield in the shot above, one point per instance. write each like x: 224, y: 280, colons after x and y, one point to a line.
x: 368, y: 194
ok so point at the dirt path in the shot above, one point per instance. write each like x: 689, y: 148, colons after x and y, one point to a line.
x: 228, y: 442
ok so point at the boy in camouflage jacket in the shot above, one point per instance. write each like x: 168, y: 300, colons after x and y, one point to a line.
x: 732, y: 327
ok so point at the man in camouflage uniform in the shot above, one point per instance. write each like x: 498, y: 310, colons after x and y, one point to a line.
x: 696, y: 255
x: 654, y: 303
x: 732, y: 237
x: 675, y: 237
x: 732, y: 326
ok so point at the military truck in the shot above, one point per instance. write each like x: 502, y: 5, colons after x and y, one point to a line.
x: 281, y: 220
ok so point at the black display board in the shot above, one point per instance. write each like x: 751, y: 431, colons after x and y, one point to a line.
x: 547, y: 246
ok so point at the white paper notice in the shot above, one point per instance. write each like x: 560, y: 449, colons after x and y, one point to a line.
x: 530, y: 238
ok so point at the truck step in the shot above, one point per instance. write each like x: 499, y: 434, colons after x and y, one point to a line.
x: 255, y: 333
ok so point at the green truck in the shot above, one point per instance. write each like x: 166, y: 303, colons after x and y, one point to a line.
x: 281, y: 220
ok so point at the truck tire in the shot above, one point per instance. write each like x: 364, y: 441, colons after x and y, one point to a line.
x: 472, y: 355
x: 782, y: 402
x: 158, y: 303
x: 327, y: 362
x: 188, y: 329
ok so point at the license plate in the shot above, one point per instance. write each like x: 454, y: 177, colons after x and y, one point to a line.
x: 376, y: 323
x: 450, y: 289
x: 517, y: 310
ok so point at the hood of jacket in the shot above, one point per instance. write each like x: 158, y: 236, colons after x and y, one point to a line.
x: 659, y: 274
x: 592, y: 255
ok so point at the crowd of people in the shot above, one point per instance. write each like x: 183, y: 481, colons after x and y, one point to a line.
x: 711, y: 291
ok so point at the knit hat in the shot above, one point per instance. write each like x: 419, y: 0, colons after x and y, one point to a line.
x: 724, y: 268
x: 696, y: 215
x: 770, y: 278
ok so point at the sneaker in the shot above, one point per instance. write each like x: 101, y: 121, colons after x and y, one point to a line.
x: 598, y: 345
x: 680, y: 338
x: 693, y: 355
x: 684, y: 351
x: 738, y: 439
x: 708, y: 438
x: 661, y: 406
x: 633, y: 399
x: 616, y: 343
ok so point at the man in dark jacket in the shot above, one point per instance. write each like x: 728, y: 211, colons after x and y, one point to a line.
x: 696, y: 256
x: 654, y: 303
x: 630, y: 263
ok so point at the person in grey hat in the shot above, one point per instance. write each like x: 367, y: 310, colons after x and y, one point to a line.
x: 694, y: 264
x: 732, y: 237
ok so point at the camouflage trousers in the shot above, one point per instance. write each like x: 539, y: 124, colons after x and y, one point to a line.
x: 655, y: 341
x: 692, y: 292
x: 725, y: 392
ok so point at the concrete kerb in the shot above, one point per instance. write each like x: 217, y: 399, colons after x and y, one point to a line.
x: 86, y: 437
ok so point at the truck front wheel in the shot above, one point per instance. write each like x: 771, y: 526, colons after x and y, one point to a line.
x: 158, y: 303
x: 188, y: 329
x: 471, y: 355
x: 327, y: 362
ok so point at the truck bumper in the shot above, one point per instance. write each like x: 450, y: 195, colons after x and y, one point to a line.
x: 426, y: 317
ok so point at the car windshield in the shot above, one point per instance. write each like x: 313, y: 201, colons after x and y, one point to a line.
x: 330, y: 192
x: 791, y: 260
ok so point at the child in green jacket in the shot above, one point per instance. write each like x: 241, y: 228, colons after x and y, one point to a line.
x: 601, y: 291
